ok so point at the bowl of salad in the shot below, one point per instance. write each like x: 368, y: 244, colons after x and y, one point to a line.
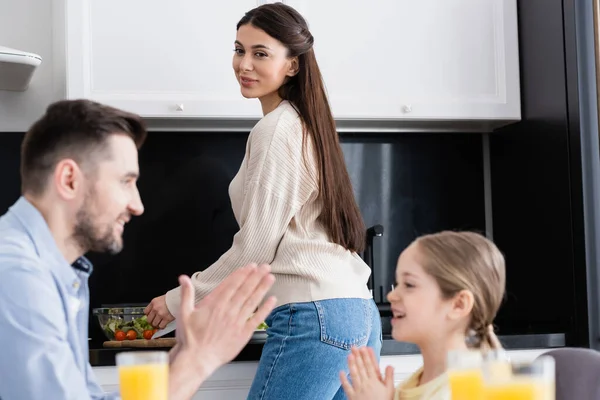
x: 124, y: 323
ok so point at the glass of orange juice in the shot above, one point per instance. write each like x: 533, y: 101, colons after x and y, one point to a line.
x: 465, y: 374
x: 496, y: 364
x: 143, y: 375
x: 526, y: 381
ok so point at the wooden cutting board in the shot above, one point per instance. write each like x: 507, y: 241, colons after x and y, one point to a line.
x: 160, y: 342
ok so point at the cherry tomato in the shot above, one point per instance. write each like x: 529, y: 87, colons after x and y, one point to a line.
x: 148, y: 334
x: 131, y: 334
x: 120, y: 335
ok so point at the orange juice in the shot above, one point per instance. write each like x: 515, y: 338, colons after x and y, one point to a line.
x: 144, y: 381
x: 466, y: 384
x: 519, y: 389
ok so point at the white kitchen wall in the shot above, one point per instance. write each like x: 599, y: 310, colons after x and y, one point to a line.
x: 28, y: 25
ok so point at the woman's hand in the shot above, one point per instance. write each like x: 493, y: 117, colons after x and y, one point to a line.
x: 367, y: 382
x: 158, y: 313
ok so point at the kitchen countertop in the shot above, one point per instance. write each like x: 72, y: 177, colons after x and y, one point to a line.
x: 106, y: 357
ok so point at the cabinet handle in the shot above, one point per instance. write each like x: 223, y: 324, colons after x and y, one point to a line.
x: 407, y: 108
x: 179, y: 107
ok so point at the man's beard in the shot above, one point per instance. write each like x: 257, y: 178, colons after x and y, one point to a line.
x: 91, y: 237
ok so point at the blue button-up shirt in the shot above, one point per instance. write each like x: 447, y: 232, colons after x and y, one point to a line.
x: 44, y: 303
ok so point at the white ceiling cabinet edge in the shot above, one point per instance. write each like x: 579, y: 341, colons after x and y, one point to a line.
x: 381, y: 60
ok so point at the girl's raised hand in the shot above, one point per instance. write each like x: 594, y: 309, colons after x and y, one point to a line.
x: 367, y: 382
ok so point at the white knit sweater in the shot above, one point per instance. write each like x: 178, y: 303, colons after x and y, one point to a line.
x: 274, y: 200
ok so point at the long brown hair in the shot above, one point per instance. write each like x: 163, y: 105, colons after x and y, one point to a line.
x: 306, y: 92
x: 467, y: 261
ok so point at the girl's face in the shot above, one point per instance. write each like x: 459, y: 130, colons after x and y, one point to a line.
x: 420, y: 313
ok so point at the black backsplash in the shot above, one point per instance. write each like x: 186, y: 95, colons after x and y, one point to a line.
x: 411, y: 184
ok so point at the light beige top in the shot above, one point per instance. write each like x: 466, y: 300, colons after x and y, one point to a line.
x: 274, y: 197
x: 436, y: 389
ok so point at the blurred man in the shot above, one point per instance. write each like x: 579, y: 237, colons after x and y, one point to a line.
x: 79, y: 170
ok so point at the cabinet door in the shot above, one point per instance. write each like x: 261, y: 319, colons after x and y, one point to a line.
x: 425, y: 59
x: 157, y: 58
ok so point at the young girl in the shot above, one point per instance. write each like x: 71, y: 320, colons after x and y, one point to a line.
x: 294, y: 202
x: 449, y: 288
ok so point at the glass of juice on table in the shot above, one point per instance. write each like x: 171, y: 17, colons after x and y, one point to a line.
x: 533, y: 380
x: 143, y: 375
x: 465, y: 374
x: 496, y: 364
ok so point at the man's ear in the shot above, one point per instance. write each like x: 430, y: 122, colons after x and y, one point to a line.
x: 67, y: 179
x: 462, y: 305
x: 294, y: 67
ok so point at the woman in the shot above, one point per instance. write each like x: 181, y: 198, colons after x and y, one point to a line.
x: 295, y: 206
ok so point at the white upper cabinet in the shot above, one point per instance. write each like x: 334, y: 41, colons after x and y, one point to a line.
x: 157, y: 58
x: 426, y: 60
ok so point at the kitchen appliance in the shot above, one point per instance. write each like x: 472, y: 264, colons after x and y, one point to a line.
x: 17, y: 68
x: 376, y: 283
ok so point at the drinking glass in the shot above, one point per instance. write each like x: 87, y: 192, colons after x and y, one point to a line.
x: 143, y: 375
x: 532, y: 380
x: 465, y: 374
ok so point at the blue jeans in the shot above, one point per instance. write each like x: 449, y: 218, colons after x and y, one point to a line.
x: 308, y: 345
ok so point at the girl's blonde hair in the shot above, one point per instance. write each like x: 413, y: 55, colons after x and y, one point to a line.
x: 467, y: 261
